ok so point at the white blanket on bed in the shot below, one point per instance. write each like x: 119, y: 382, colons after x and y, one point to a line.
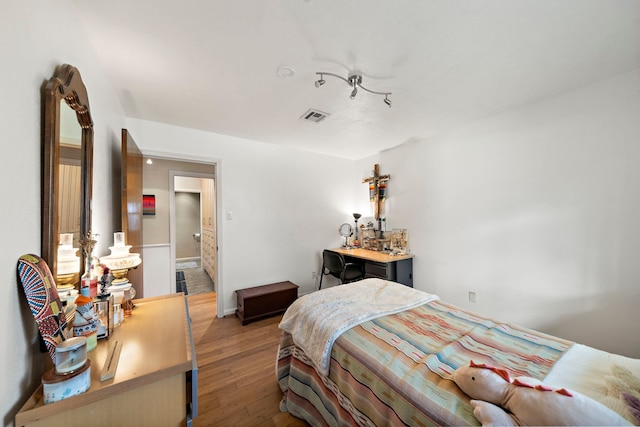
x: 590, y: 371
x: 316, y: 320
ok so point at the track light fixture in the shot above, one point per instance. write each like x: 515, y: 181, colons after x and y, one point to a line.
x: 355, y: 81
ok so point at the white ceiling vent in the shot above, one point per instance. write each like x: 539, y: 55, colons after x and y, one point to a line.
x: 314, y: 115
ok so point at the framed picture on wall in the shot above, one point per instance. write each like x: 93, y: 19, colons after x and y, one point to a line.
x: 148, y: 204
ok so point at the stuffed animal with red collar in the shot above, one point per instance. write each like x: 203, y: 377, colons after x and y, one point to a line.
x: 497, y: 400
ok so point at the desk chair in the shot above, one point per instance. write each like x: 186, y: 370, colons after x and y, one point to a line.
x: 334, y: 264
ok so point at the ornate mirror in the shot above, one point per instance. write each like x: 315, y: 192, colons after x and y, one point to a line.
x: 67, y: 174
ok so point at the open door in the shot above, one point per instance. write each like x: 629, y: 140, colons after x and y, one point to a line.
x: 132, y: 204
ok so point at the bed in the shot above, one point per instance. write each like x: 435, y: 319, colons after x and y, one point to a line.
x: 377, y: 353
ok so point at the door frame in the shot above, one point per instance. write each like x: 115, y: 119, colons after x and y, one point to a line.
x: 131, y: 191
x: 217, y: 182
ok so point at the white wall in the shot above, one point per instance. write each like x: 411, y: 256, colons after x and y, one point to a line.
x: 536, y: 210
x: 157, y: 278
x: 188, y: 184
x: 286, y: 204
x: 35, y: 37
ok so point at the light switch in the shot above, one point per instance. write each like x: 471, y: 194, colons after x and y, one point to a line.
x: 229, y: 215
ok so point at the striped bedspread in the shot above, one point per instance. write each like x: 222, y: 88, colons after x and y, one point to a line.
x: 396, y: 369
x: 315, y: 320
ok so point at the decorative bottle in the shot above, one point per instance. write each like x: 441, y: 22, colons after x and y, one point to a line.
x: 85, y: 280
x: 88, y: 280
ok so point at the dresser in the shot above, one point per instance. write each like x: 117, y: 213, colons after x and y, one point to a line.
x: 397, y: 268
x: 155, y: 382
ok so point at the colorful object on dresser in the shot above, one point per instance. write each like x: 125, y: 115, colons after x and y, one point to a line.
x: 498, y: 400
x: 44, y: 301
x: 85, y: 322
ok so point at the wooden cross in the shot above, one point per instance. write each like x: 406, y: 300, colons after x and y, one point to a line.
x: 377, y: 190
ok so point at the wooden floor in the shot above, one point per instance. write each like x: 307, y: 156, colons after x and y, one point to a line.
x: 237, y: 380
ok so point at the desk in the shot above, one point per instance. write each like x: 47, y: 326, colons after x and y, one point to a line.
x: 397, y: 268
x: 154, y: 383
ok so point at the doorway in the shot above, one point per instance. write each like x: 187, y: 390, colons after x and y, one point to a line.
x: 160, y: 225
x: 194, y: 232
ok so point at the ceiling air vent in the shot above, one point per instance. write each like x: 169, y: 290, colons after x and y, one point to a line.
x: 314, y: 115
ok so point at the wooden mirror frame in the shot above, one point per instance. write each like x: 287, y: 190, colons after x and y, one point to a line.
x: 66, y: 84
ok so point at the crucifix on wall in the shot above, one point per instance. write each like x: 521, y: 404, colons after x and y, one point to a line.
x: 377, y: 191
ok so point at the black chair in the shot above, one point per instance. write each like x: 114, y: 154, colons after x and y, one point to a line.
x: 334, y: 264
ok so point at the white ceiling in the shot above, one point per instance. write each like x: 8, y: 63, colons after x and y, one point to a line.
x: 212, y: 64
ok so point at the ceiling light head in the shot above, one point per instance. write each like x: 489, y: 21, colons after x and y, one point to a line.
x: 355, y: 81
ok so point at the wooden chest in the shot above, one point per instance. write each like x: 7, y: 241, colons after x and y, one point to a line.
x: 263, y: 301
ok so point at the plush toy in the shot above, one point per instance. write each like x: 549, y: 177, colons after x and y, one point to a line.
x: 497, y: 400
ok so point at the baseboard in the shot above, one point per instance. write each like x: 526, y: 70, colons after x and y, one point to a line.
x: 187, y: 259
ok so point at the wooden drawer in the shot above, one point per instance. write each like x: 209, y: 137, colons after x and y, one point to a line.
x: 263, y: 301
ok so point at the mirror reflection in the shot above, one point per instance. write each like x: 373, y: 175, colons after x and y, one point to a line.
x: 69, y: 197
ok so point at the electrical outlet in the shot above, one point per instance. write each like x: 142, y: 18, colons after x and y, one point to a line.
x: 314, y: 275
x: 472, y: 296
